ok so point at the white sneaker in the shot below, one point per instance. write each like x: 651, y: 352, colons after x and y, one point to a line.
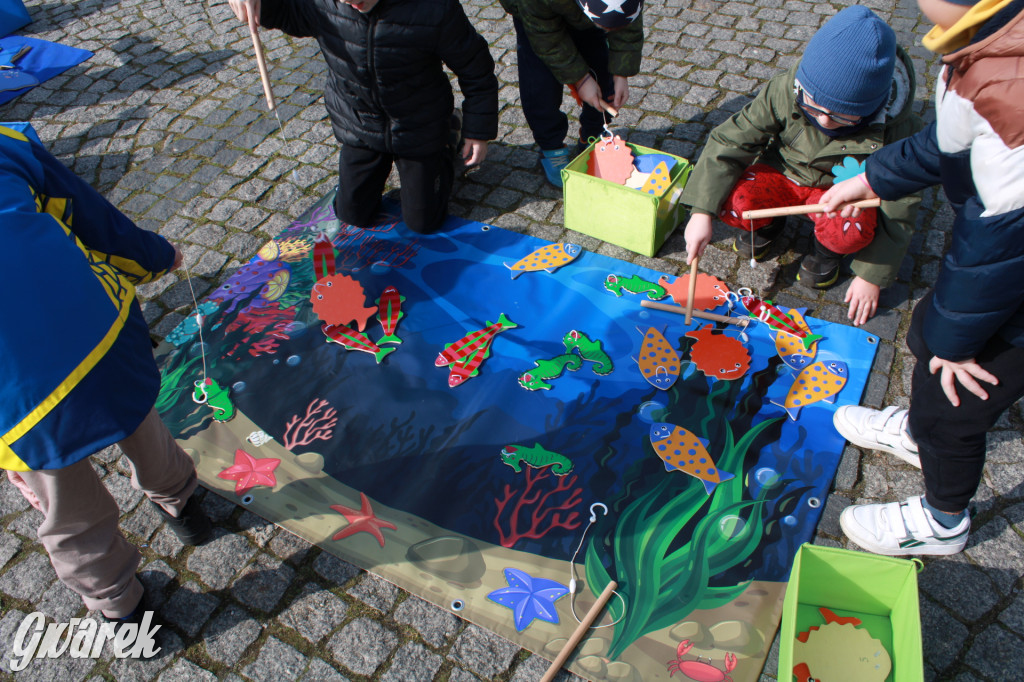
x: 901, y: 528
x: 884, y: 430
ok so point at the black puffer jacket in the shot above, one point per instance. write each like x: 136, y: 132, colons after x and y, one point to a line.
x: 386, y: 87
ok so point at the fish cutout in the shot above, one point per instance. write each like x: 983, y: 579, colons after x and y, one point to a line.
x: 468, y: 366
x: 839, y: 650
x: 389, y: 312
x: 658, y: 362
x: 645, y: 163
x: 470, y: 343
x: 209, y: 392
x: 815, y: 383
x: 683, y: 451
x: 538, y: 378
x: 768, y: 313
x: 636, y: 179
x: 353, y: 340
x: 717, y: 355
x: 791, y: 349
x: 658, y: 181
x: 710, y: 293
x: 338, y: 300
x: 547, y: 258
x: 634, y: 285
x: 611, y: 160
x: 323, y: 256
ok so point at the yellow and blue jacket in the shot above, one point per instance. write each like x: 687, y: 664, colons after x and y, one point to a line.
x: 76, y: 363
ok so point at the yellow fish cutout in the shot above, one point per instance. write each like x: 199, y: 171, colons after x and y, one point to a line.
x: 658, y: 182
x: 681, y: 450
x: 547, y: 258
x: 815, y: 383
x: 791, y: 348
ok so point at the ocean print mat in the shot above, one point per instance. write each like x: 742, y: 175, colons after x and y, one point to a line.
x: 487, y: 419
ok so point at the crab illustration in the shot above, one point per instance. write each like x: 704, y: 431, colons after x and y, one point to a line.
x: 699, y: 670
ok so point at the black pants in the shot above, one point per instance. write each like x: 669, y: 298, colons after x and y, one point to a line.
x: 541, y: 93
x: 426, y: 187
x: 951, y: 440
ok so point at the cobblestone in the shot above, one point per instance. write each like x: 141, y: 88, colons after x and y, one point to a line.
x: 167, y: 120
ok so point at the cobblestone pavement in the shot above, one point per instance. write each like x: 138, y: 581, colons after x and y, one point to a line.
x: 167, y: 120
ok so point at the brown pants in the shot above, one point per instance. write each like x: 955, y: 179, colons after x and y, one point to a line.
x: 80, y: 529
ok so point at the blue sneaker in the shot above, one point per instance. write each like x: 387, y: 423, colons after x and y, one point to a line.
x: 553, y: 161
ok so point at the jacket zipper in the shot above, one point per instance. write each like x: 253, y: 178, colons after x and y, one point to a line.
x: 371, y: 28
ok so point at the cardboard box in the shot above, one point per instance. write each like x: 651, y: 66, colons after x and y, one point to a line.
x: 879, y: 590
x: 622, y: 215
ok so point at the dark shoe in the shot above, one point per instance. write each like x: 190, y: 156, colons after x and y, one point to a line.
x: 192, y: 526
x: 146, y: 624
x: 762, y: 239
x: 819, y: 272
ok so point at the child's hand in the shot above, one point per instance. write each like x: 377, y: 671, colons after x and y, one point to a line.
x: 590, y: 92
x: 621, y: 91
x: 967, y: 372
x: 697, y: 235
x: 474, y: 152
x: 845, y: 192
x: 243, y: 9
x: 863, y: 299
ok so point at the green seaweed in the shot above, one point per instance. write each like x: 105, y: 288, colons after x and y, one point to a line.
x: 671, y: 541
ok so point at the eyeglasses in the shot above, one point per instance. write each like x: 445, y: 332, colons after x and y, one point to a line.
x: 835, y: 118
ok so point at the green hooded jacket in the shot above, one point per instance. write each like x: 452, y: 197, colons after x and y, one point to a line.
x: 773, y: 130
x: 547, y: 23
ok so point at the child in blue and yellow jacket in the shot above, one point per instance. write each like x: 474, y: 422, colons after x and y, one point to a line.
x: 79, y: 374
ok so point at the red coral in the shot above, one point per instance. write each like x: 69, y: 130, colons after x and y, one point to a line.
x: 543, y: 509
x: 314, y: 426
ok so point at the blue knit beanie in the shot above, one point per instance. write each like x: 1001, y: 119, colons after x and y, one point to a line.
x: 848, y: 64
x: 611, y: 14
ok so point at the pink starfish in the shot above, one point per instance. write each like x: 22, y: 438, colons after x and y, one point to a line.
x: 361, y: 521
x: 248, y: 472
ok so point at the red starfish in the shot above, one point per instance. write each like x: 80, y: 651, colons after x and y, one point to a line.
x: 248, y: 472
x: 361, y: 521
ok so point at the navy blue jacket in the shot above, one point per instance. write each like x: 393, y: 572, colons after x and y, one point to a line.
x: 979, y: 292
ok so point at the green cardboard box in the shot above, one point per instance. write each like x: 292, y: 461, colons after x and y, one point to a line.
x: 622, y: 215
x: 879, y: 590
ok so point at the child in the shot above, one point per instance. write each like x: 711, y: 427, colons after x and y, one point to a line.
x: 591, y: 45
x: 851, y: 93
x: 970, y: 328
x: 66, y: 395
x: 389, y: 98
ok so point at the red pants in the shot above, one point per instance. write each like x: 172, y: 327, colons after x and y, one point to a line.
x: 764, y: 187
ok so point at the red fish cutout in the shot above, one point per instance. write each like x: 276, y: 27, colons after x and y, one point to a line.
x: 339, y: 300
x: 711, y: 292
x: 717, y: 355
x: 353, y: 340
x: 389, y: 312
x: 612, y: 160
x: 323, y: 256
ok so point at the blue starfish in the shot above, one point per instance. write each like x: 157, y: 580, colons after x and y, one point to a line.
x: 529, y: 597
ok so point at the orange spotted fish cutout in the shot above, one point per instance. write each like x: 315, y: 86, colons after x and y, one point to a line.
x: 818, y: 382
x: 717, y: 355
x: 682, y: 450
x: 611, y: 160
x: 658, y: 362
x: 711, y: 292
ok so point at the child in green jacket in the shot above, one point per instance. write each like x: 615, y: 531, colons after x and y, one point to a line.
x: 851, y: 93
